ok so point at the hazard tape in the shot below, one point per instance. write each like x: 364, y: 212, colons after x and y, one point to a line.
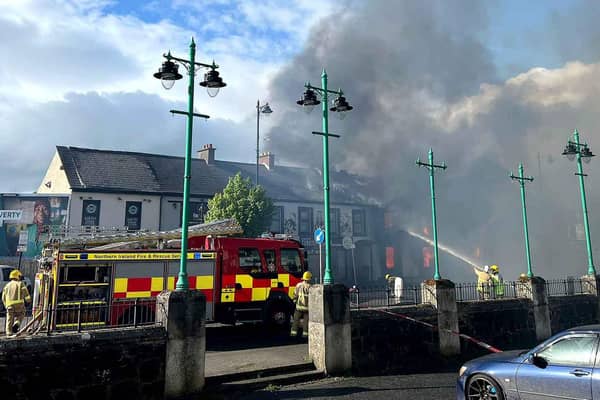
x: 462, y: 335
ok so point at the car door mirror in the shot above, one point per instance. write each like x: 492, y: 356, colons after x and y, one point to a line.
x: 539, y: 361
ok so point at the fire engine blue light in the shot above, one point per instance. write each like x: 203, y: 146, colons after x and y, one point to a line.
x: 83, y: 256
x: 197, y: 256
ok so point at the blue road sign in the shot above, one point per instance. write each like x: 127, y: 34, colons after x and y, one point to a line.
x: 319, y: 236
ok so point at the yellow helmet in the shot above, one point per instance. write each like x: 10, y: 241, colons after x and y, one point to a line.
x: 14, y: 274
x: 387, y: 276
x: 307, y: 276
x: 494, y: 268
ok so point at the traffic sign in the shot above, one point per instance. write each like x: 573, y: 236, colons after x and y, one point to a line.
x: 319, y: 236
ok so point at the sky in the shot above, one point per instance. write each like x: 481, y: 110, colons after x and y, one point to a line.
x: 486, y: 84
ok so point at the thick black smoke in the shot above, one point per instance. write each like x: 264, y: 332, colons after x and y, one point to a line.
x: 420, y: 76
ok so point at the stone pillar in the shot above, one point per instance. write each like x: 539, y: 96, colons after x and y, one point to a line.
x: 535, y: 289
x: 182, y: 314
x: 590, y: 284
x: 329, y: 329
x: 441, y: 294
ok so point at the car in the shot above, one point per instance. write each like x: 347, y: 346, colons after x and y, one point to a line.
x: 566, y: 366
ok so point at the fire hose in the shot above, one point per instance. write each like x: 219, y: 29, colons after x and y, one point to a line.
x: 462, y: 335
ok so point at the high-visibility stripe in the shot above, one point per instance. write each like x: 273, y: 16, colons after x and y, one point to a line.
x: 82, y: 324
x: 204, y: 282
x: 244, y: 280
x: 259, y: 294
x: 156, y: 284
x: 120, y: 285
x: 285, y: 279
x: 227, y: 295
x: 147, y: 293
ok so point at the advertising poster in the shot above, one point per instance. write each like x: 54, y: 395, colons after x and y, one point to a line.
x: 38, y: 216
x: 91, y: 213
x: 133, y: 215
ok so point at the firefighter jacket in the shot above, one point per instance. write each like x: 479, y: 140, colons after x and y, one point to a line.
x: 498, y: 284
x: 301, y: 296
x: 15, y: 293
x: 482, y: 279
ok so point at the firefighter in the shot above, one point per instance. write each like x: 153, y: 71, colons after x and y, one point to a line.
x: 301, y: 300
x: 14, y: 296
x: 483, y: 277
x: 497, y: 281
x: 394, y: 285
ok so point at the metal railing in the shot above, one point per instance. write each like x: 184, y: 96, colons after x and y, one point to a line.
x: 370, y: 297
x: 87, y: 315
x: 471, y: 291
x: 565, y: 287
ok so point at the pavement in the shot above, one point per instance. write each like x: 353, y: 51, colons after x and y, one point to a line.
x: 410, y: 387
x: 237, y: 361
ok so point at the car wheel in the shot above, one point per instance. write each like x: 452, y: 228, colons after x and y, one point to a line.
x: 482, y: 387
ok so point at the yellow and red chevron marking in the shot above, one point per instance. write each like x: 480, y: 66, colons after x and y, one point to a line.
x: 255, y: 289
x: 152, y: 286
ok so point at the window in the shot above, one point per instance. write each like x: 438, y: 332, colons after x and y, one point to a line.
x: 359, y: 223
x: 290, y: 260
x: 133, y: 215
x: 573, y: 351
x: 6, y: 274
x: 305, y: 222
x: 277, y: 220
x: 250, y: 260
x: 270, y: 260
x: 334, y: 225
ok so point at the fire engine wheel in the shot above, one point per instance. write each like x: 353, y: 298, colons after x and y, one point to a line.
x: 279, y: 316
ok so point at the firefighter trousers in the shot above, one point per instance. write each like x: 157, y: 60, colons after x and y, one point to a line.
x: 300, y: 315
x: 14, y: 314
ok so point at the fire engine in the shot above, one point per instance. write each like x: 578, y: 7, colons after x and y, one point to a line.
x: 112, y: 280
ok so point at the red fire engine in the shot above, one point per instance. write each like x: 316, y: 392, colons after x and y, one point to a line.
x: 243, y: 279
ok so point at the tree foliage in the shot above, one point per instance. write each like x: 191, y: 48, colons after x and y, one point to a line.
x: 248, y: 204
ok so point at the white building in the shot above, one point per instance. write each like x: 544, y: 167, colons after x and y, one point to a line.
x: 144, y: 191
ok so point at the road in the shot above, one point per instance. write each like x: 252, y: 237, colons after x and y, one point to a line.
x: 409, y: 387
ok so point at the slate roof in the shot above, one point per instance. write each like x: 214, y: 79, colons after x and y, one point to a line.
x: 120, y: 171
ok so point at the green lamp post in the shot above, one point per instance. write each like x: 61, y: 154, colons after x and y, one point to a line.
x: 340, y: 105
x: 265, y: 110
x: 168, y: 74
x: 431, y: 167
x: 576, y: 150
x: 521, y: 179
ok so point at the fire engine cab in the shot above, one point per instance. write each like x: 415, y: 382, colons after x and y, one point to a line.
x: 97, y: 283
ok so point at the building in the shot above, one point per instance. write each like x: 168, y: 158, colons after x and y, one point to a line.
x: 143, y: 191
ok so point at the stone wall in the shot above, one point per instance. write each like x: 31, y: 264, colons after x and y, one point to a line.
x: 111, y: 364
x: 384, y: 343
x: 505, y: 324
x: 569, y: 311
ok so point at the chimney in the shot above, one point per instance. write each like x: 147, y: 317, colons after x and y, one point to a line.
x: 207, y: 153
x: 267, y: 159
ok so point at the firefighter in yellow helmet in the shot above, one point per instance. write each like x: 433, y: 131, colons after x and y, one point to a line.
x: 497, y: 281
x: 14, y: 296
x: 301, y: 300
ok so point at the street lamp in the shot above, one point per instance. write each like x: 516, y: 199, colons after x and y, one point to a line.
x: 576, y: 150
x: 521, y: 179
x: 168, y: 74
x: 431, y: 167
x: 266, y: 111
x: 340, y: 105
